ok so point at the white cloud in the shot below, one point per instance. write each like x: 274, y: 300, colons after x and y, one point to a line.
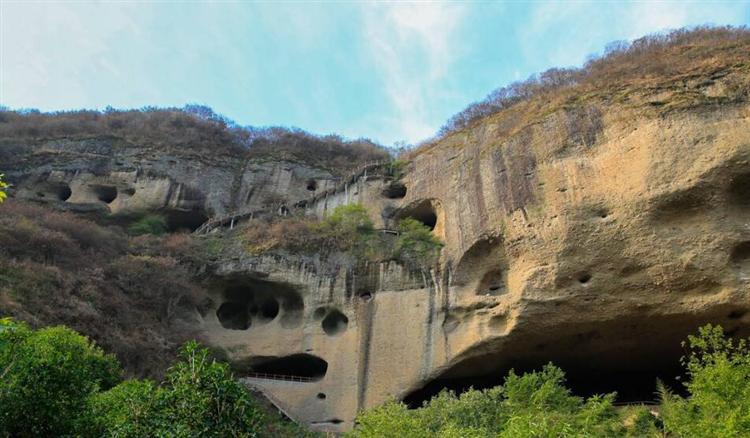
x: 412, y: 47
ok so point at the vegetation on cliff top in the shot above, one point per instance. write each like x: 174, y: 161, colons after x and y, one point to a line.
x: 665, y: 62
x: 195, y: 129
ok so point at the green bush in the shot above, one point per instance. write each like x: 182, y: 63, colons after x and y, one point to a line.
x: 416, y: 244
x: 150, y: 224
x: 200, y: 398
x: 535, y: 404
x: 46, y: 378
x: 3, y: 186
x: 718, y: 383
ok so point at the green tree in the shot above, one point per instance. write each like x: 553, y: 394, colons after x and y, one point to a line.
x: 3, y: 186
x: 46, y: 378
x: 416, y: 244
x: 718, y: 383
x: 347, y: 228
x: 200, y: 398
x: 151, y: 224
x: 534, y: 404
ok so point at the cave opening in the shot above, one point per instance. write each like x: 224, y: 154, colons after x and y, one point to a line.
x: 739, y: 190
x: 57, y: 192
x: 105, y: 194
x: 312, y: 185
x: 334, y: 323
x: 395, y: 190
x: 297, y: 365
x: 492, y: 283
x: 185, y: 220
x: 248, y: 302
x: 423, y: 211
x: 625, y: 355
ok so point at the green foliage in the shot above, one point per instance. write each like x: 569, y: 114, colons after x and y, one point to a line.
x: 150, y: 224
x: 535, y: 404
x: 347, y: 228
x: 416, y: 244
x: 718, y: 371
x: 46, y: 378
x: 55, y: 382
x: 3, y: 186
x: 396, y: 168
x: 200, y: 398
x: 204, y: 399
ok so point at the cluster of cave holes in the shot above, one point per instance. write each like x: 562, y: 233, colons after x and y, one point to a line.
x: 301, y: 365
x: 248, y: 303
x: 423, y: 211
x: 332, y: 321
x: 395, y: 190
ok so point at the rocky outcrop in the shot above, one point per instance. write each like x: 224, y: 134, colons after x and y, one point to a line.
x: 113, y: 176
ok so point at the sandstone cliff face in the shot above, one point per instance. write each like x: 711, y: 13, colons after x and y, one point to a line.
x: 599, y: 252
x: 111, y: 175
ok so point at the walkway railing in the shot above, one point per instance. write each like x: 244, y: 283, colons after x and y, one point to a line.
x: 284, y: 377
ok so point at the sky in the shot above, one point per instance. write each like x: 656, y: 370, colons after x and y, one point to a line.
x: 388, y: 71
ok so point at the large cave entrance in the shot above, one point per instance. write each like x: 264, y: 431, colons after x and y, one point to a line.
x: 185, y: 220
x: 303, y: 366
x: 425, y: 211
x: 626, y: 355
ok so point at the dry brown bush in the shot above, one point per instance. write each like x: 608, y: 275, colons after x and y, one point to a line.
x: 133, y: 297
x: 191, y: 129
x: 647, y: 63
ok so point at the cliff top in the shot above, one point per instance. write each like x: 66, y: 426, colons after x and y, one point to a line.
x: 660, y: 72
x: 193, y: 129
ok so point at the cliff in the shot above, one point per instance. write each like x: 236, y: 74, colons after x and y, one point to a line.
x: 592, y: 223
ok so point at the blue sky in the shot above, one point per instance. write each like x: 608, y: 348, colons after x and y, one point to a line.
x: 387, y: 71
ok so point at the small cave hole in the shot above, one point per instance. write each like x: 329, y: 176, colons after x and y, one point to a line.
x: 741, y: 253
x: 334, y: 323
x: 312, y: 185
x: 321, y: 396
x: 395, y: 191
x: 492, y: 283
x: 233, y: 316
x: 365, y: 296
x: 268, y: 309
x: 739, y: 190
x: 129, y: 191
x: 105, y: 194
x: 584, y: 278
x: 303, y: 365
x: 736, y: 314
